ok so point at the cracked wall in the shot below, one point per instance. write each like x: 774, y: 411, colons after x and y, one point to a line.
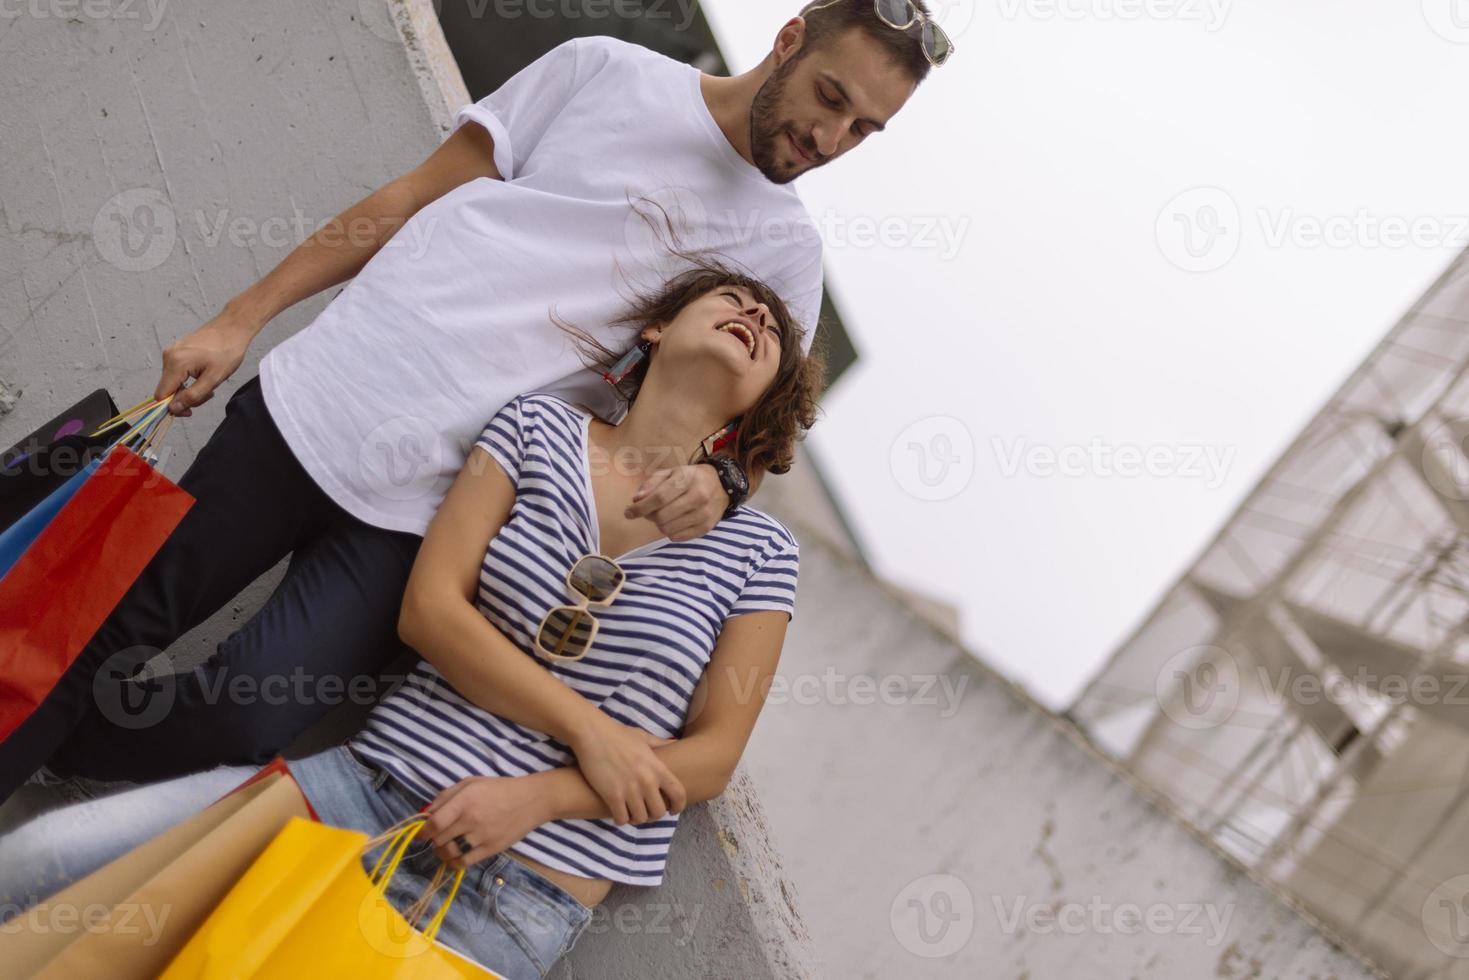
x: 938, y: 822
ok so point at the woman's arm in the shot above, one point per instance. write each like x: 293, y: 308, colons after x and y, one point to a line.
x: 439, y: 620
x: 494, y: 813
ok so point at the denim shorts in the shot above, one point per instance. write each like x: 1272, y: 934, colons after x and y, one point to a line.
x: 506, y: 916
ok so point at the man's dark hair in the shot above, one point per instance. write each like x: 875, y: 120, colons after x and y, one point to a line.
x: 904, y: 48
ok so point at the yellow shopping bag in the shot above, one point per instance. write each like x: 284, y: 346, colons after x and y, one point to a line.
x: 306, y: 908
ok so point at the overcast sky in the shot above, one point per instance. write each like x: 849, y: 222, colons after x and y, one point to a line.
x: 1102, y: 269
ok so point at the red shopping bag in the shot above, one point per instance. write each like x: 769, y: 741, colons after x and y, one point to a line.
x: 76, y: 572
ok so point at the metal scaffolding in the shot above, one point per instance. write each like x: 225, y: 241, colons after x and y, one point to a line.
x: 1302, y: 692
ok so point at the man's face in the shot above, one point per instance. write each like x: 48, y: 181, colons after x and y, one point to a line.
x: 818, y: 104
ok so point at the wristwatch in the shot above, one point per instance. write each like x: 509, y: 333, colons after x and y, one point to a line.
x: 732, y: 478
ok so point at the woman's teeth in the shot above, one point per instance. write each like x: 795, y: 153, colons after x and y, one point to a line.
x: 742, y: 332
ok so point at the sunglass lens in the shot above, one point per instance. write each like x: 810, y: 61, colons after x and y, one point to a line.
x: 896, y: 13
x: 567, y: 632
x: 596, y: 578
x: 936, y: 43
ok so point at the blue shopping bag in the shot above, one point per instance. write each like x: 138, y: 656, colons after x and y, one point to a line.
x: 15, y: 539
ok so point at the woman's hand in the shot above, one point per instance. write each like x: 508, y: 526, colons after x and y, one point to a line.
x: 619, y: 763
x: 489, y: 812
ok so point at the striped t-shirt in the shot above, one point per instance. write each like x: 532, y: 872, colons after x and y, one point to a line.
x: 653, y: 645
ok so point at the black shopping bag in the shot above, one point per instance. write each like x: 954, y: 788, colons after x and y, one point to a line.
x: 53, y: 454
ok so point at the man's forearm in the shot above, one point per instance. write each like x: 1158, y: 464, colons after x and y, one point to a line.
x: 333, y: 254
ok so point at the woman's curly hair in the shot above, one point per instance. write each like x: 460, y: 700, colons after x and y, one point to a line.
x: 769, y: 431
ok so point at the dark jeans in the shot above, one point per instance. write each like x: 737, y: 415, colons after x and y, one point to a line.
x: 319, y: 640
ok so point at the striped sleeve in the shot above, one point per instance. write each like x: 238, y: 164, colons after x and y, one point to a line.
x: 773, y: 585
x: 504, y: 439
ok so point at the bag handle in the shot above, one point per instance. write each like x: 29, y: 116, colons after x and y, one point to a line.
x: 148, y: 419
x: 398, y: 837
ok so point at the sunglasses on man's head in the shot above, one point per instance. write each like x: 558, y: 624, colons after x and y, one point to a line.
x: 566, y: 632
x: 901, y: 15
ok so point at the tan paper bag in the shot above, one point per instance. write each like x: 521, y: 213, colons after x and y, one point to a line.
x: 129, y: 918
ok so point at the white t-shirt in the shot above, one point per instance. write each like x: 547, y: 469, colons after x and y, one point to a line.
x: 382, y: 396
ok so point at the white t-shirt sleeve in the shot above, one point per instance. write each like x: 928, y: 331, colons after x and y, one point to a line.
x: 773, y: 584
x: 518, y: 113
x: 504, y: 439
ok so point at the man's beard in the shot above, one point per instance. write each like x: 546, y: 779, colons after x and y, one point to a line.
x: 765, y: 131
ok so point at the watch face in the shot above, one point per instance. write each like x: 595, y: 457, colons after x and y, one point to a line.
x: 737, y: 476
x: 732, y: 476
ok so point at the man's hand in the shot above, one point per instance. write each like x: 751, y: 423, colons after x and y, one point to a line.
x: 685, y: 502
x: 618, y: 762
x: 209, y: 355
x: 489, y: 812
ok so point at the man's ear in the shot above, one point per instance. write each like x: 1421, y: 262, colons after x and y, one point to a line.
x: 789, y: 40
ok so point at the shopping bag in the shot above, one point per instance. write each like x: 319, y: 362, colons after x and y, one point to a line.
x: 79, y: 567
x: 34, y: 476
x: 128, y: 919
x: 306, y: 908
x: 40, y: 463
x: 16, y: 538
x: 91, y: 412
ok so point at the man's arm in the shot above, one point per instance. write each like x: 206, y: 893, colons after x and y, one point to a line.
x: 334, y: 254
x: 685, y: 501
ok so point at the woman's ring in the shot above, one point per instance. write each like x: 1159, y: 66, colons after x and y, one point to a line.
x: 463, y: 844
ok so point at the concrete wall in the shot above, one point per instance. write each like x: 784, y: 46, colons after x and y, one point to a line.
x: 157, y: 161
x: 922, y: 802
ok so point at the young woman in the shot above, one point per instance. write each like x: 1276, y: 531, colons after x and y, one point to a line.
x: 582, y: 680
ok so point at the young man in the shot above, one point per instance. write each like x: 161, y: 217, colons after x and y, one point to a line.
x: 340, y: 451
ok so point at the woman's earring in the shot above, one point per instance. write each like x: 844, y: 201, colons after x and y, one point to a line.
x: 627, y: 362
x: 716, y: 441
